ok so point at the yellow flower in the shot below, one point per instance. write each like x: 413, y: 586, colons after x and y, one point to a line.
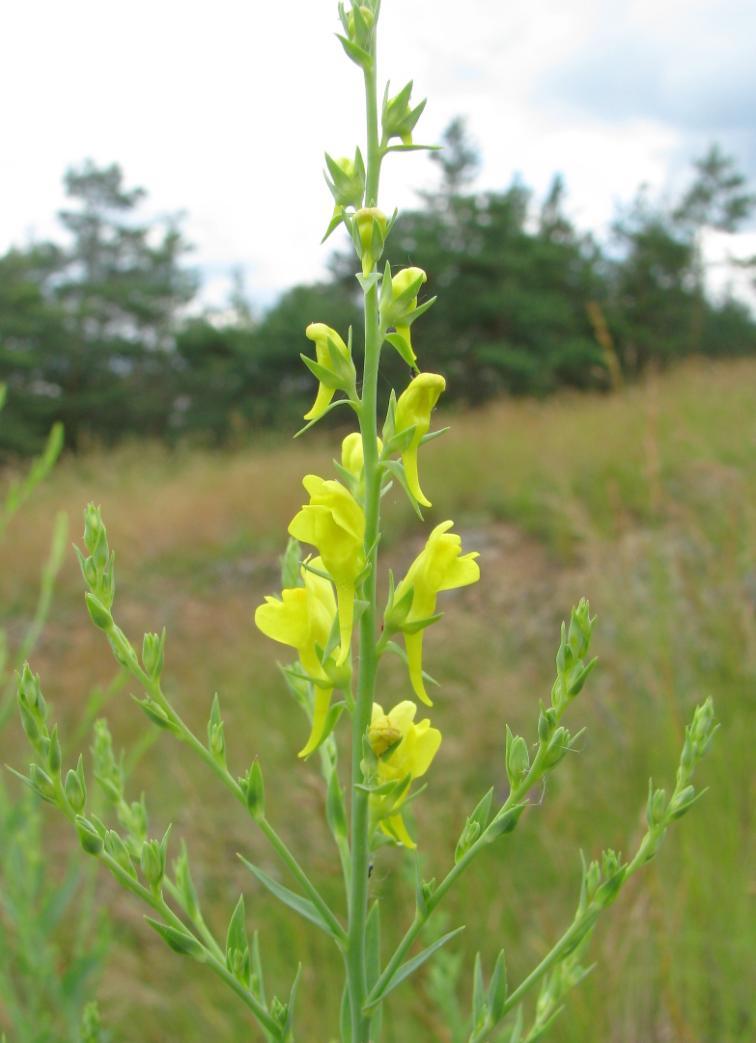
x: 413, y: 409
x: 334, y: 522
x: 303, y: 618
x: 331, y: 352
x: 405, y: 751
x: 352, y: 456
x: 399, y: 284
x: 440, y: 565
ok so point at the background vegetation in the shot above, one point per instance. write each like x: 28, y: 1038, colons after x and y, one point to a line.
x: 102, y: 330
x: 644, y: 500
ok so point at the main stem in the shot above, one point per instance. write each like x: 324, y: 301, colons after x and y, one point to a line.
x: 358, y: 894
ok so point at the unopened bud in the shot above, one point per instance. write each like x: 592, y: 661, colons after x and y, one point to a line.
x: 254, y: 787
x: 370, y: 225
x: 153, y: 863
x: 76, y: 793
x: 97, y: 612
x: 89, y: 838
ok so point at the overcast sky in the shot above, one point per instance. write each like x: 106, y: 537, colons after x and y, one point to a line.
x: 223, y: 109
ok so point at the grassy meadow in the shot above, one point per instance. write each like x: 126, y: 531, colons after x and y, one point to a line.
x: 645, y: 502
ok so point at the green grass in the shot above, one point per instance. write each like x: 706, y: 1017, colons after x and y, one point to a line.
x: 646, y: 503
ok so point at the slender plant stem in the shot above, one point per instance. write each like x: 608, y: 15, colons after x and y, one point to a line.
x: 358, y: 891
x: 447, y: 883
x: 184, y: 732
x: 156, y: 901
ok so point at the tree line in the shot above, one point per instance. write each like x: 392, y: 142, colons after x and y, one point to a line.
x: 95, y: 331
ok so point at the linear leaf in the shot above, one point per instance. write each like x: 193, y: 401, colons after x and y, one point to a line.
x: 300, y: 905
x: 412, y: 965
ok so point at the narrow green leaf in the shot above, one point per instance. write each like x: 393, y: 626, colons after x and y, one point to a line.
x: 479, y: 990
x: 497, y: 988
x: 411, y: 966
x: 300, y: 905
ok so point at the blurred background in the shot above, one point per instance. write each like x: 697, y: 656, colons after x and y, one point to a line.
x: 590, y: 229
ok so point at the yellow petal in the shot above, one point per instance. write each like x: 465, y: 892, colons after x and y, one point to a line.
x: 321, y: 403
x: 462, y: 572
x: 404, y: 333
x: 304, y: 525
x: 395, y: 828
x: 403, y: 715
x: 414, y: 645
x: 285, y: 621
x: 409, y: 459
x: 424, y: 742
x: 320, y: 713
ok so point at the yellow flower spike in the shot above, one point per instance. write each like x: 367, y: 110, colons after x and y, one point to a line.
x: 440, y: 565
x: 352, y: 455
x: 303, y: 618
x: 327, y: 342
x: 334, y: 522
x: 413, y: 409
x: 405, y: 751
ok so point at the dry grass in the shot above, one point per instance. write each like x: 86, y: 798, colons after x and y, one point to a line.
x: 646, y: 502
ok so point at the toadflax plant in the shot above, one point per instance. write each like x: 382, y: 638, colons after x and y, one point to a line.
x: 329, y: 615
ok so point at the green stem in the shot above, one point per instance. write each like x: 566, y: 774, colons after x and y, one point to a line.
x: 185, y: 733
x: 447, y: 883
x: 358, y: 890
x: 156, y: 901
x: 544, y: 966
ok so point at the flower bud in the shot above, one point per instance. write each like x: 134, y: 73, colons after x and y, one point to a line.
x: 398, y: 120
x: 370, y: 229
x: 469, y: 835
x: 413, y: 412
x: 76, y: 793
x: 383, y: 734
x: 334, y: 368
x: 98, y: 613
x: 215, y: 738
x: 517, y: 758
x: 656, y: 808
x: 41, y: 782
x: 153, y: 648
x: 30, y: 694
x: 115, y: 847
x: 153, y: 863
x: 254, y: 789
x: 89, y: 838
x: 399, y: 308
x: 347, y: 180
x: 95, y: 536
x: 352, y: 453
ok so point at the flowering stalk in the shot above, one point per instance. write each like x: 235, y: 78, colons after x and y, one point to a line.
x: 327, y: 594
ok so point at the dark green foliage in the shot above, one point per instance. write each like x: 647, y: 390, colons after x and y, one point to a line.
x: 87, y: 328
x: 94, y: 332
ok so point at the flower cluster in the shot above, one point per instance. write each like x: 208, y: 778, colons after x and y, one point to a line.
x: 317, y: 615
